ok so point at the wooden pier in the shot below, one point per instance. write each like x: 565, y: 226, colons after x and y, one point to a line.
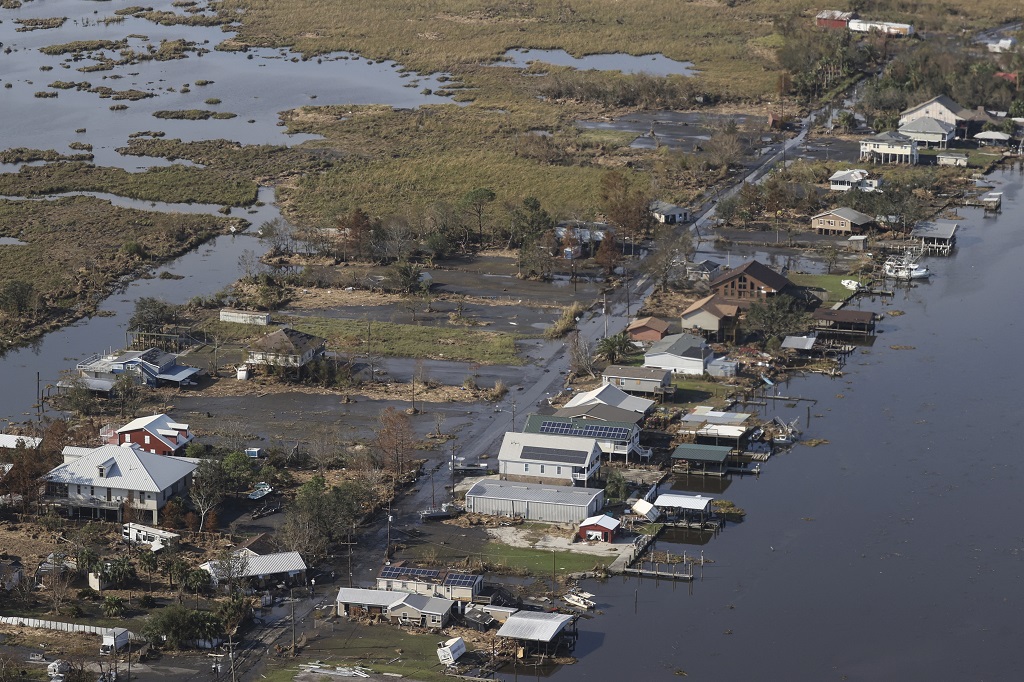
x: 660, y: 574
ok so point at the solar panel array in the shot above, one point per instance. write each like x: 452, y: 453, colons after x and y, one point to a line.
x: 392, y: 572
x: 585, y: 431
x: 554, y: 454
x: 460, y: 580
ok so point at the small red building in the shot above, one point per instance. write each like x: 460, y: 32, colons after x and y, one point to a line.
x: 602, y: 528
x: 157, y: 434
x: 647, y: 329
x: 833, y: 18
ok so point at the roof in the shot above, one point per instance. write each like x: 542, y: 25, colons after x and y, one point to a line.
x: 844, y: 315
x: 549, y: 448
x: 611, y: 395
x: 758, y: 271
x: 649, y: 323
x: 166, y: 430
x: 600, y: 412
x: 952, y: 155
x: 534, y: 626
x: 357, y: 595
x: 665, y: 208
x: 72, y: 451
x: 835, y: 15
x: 646, y: 509
x: 260, y: 544
x: 532, y: 492
x: 626, y: 372
x: 942, y: 100
x: 705, y: 414
x: 287, y: 341
x: 578, y: 427
x: 701, y: 453
x: 850, y: 175
x: 682, y: 345
x: 126, y: 468
x: 846, y: 213
x: 714, y: 304
x: 677, y: 501
x: 935, y: 230
x: 601, y: 520
x: 799, y: 342
x: 891, y: 138
x: 426, y: 604
x: 257, y: 565
x: 928, y: 125
x: 992, y: 135
x: 9, y: 441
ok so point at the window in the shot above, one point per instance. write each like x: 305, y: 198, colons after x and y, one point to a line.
x: 558, y: 470
x: 831, y: 223
x: 526, y: 467
x: 542, y: 468
x: 147, y: 440
x: 79, y: 489
x: 92, y: 491
x: 821, y: 221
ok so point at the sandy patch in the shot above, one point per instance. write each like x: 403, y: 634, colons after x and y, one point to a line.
x: 527, y: 536
x: 376, y: 391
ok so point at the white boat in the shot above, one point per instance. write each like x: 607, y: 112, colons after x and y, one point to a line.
x: 579, y: 599
x: 904, y: 269
x: 852, y: 284
x: 262, y: 490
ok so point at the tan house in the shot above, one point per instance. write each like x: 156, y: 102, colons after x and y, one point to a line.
x: 647, y: 329
x: 889, y: 147
x: 752, y: 281
x: 286, y: 348
x: 713, y: 316
x: 841, y: 221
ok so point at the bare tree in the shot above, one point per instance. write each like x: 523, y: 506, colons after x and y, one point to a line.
x: 394, y: 439
x: 324, y: 446
x: 57, y: 583
x: 581, y: 357
x: 208, y: 486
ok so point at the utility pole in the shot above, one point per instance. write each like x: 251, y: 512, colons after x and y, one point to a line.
x: 604, y: 312
x: 291, y: 593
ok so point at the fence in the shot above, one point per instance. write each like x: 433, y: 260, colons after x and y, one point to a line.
x: 59, y: 626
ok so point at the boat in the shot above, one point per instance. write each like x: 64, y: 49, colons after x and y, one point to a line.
x: 852, y: 284
x: 445, y: 511
x: 579, y: 599
x: 262, y: 490
x: 904, y: 269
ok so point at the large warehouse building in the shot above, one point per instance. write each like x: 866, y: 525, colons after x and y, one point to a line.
x: 551, y: 503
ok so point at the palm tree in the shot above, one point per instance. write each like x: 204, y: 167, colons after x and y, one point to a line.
x: 113, y: 607
x: 614, y: 348
x: 122, y: 571
x: 149, y: 563
x: 195, y: 580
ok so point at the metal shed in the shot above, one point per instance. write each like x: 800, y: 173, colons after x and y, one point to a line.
x: 554, y: 504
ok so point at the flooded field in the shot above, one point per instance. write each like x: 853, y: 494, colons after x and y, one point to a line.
x: 652, y: 64
x: 890, y: 552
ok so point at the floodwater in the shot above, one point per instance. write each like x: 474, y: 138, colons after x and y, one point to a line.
x: 652, y: 64
x: 892, y: 552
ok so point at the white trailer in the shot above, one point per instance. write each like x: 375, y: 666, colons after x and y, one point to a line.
x: 154, y: 537
x: 114, y: 640
x: 450, y: 651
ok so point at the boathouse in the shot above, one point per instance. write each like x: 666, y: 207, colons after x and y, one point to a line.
x: 844, y: 322
x: 697, y: 458
x: 685, y: 507
x: 936, y: 238
x: 540, y: 633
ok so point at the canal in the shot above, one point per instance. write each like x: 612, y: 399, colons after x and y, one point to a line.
x: 893, y: 551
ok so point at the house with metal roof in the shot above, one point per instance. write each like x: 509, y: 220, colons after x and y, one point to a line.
x: 643, y: 380
x: 614, y: 438
x: 286, y: 347
x: 669, y: 214
x: 613, y: 396
x: 680, y: 354
x: 108, y: 479
x: 833, y: 18
x: 13, y: 442
x: 602, y: 528
x: 548, y: 458
x: 421, y: 610
x: 853, y: 178
x: 937, y: 238
x: 713, y: 316
x: 941, y: 108
x: 685, y: 506
x: 929, y: 132
x: 259, y: 569
x: 157, y: 434
x: 889, y: 147
x: 948, y: 158
x: 151, y: 367
x: 545, y: 633
x: 841, y: 221
x: 355, y: 602
x: 533, y: 502
x: 432, y: 582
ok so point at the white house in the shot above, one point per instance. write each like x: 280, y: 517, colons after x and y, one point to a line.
x: 681, y: 353
x: 14, y: 442
x: 286, y: 348
x: 548, y: 458
x: 614, y: 438
x: 613, y: 396
x: 854, y: 178
x: 110, y: 478
x: 431, y: 582
x: 889, y: 147
x: 930, y: 132
x: 670, y: 214
x: 263, y: 569
x: 397, y: 607
x: 943, y: 109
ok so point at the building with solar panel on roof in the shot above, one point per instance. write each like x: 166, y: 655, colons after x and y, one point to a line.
x: 613, y: 437
x: 432, y: 582
x: 548, y: 458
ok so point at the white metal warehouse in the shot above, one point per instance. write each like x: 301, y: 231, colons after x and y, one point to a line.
x: 555, y: 504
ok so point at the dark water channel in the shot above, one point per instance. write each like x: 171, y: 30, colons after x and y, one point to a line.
x: 893, y: 552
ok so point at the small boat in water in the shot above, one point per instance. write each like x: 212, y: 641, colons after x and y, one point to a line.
x: 904, y: 269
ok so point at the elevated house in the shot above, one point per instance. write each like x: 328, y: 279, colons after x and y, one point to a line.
x: 614, y: 438
x: 152, y: 367
x: 853, y: 179
x: 669, y: 214
x: 889, y: 147
x: 613, y: 396
x: 712, y: 316
x: 639, y: 380
x: 943, y: 108
x: 157, y: 434
x: 685, y: 507
x: 548, y: 458
x: 533, y: 502
x: 680, y: 354
x: 286, y: 347
x: 706, y: 426
x: 647, y: 329
x: 936, y: 238
x: 430, y: 582
x: 842, y: 221
x: 752, y: 281
x: 601, y: 413
x: 930, y: 132
x: 104, y: 481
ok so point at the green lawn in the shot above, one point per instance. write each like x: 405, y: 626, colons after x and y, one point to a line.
x: 690, y: 392
x: 376, y: 648
x: 831, y: 284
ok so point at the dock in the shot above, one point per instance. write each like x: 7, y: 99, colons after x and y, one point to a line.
x: 658, y: 574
